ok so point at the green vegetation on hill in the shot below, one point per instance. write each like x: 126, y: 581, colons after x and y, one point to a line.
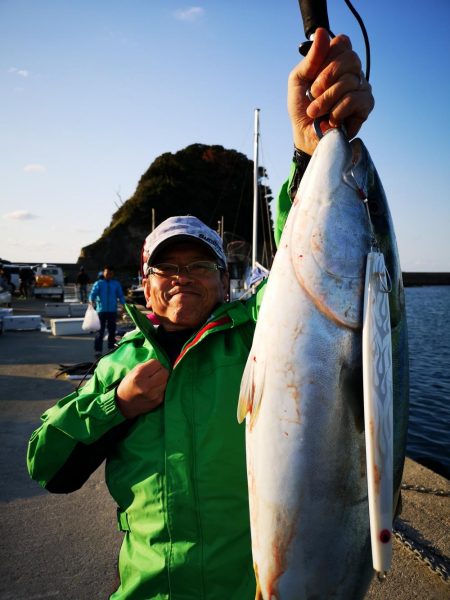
x: 209, y: 182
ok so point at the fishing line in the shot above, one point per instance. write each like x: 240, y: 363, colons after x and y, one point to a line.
x: 365, y: 36
x: 312, y: 24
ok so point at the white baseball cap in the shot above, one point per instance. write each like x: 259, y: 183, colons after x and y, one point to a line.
x: 182, y: 228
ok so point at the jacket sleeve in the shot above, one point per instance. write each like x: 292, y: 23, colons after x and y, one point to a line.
x: 74, y: 427
x: 288, y: 191
x: 282, y: 205
x: 93, y: 292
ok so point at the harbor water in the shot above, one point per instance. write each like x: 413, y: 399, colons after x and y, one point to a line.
x: 428, y: 315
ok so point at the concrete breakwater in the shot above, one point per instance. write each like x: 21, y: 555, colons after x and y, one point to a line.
x: 422, y: 278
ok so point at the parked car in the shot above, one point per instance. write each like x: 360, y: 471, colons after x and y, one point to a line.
x: 49, y: 281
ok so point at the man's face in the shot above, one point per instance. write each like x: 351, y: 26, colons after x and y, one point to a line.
x: 108, y: 273
x: 182, y: 301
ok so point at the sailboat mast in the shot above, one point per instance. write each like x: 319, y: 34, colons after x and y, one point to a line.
x: 255, y: 187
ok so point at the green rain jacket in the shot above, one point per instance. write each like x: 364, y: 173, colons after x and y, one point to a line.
x: 178, y: 473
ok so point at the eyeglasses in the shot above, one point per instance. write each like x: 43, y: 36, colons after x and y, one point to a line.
x: 199, y: 268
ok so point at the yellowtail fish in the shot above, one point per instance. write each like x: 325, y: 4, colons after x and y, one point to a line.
x: 302, y: 389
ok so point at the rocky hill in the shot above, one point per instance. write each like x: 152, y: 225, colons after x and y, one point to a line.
x: 209, y: 182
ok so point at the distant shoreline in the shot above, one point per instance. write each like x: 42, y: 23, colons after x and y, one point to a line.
x: 410, y: 278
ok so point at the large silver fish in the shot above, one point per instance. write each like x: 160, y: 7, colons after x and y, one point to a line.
x: 302, y: 387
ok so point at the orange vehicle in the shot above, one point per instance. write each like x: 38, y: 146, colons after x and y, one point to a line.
x: 49, y: 281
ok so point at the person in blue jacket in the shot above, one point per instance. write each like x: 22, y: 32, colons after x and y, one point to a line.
x: 104, y: 296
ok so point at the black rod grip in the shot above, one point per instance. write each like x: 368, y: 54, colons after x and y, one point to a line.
x: 314, y: 15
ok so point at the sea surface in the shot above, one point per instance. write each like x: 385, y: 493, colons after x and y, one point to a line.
x: 428, y: 316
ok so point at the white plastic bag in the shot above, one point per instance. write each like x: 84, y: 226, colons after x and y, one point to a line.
x: 91, y: 320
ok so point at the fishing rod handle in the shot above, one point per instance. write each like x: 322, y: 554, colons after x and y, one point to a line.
x: 314, y: 15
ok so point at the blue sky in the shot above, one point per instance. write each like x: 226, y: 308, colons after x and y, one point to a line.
x: 94, y: 90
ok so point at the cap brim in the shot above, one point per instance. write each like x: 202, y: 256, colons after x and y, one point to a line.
x: 183, y: 237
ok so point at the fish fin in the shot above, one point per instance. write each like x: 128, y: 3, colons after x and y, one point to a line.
x: 252, y: 385
x: 245, y: 393
x: 258, y: 595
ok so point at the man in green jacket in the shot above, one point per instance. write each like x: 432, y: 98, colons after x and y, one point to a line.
x: 162, y: 407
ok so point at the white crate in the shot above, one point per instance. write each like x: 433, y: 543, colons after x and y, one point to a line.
x: 4, y: 312
x: 57, y: 310
x: 70, y: 326
x: 77, y: 309
x: 22, y: 322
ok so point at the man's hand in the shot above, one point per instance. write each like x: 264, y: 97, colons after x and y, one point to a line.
x: 142, y: 389
x: 332, y: 72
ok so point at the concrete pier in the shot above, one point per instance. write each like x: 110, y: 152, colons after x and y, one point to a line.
x: 66, y: 546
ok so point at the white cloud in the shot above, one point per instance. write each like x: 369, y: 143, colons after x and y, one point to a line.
x: 34, y: 168
x: 20, y: 215
x: 190, y: 14
x: 21, y: 72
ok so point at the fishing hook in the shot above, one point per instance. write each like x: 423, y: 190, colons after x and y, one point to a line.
x: 385, y: 283
x: 385, y: 278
